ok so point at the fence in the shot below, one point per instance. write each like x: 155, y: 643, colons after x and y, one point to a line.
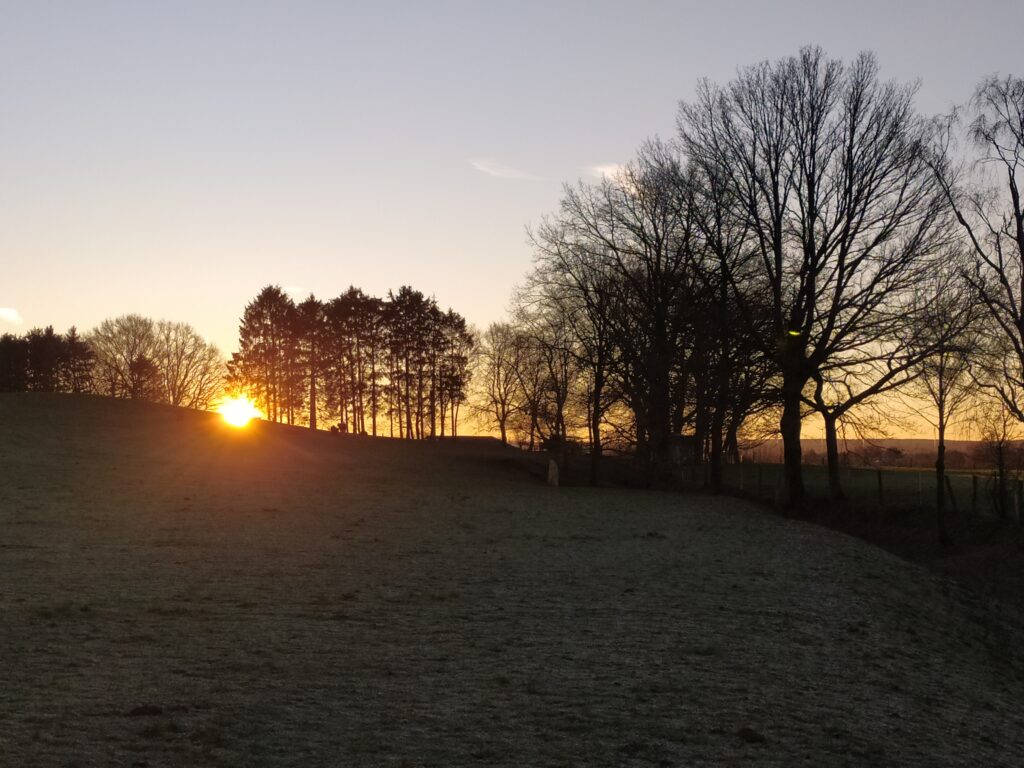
x: 887, y: 488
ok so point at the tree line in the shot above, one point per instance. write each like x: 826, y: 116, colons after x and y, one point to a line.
x: 398, y: 366
x: 128, y: 357
x: 806, y: 243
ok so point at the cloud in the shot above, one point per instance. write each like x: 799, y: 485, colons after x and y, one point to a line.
x: 492, y: 167
x: 297, y: 292
x: 11, y: 315
x: 611, y: 170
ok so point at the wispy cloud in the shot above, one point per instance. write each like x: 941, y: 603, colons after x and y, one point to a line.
x: 11, y: 315
x: 611, y: 170
x: 492, y: 167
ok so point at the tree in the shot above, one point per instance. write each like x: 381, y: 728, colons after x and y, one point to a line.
x: 144, y: 379
x: 44, y: 361
x: 547, y: 373
x: 352, y: 356
x: 135, y: 357
x: 191, y: 371
x: 571, y: 283
x: 46, y: 351
x: 999, y: 431
x: 264, y: 366
x: 827, y: 168
x: 13, y: 363
x: 124, y: 349
x: 992, y: 222
x: 729, y: 299
x: 499, y: 351
x: 946, y: 379
x: 310, y: 334
x: 642, y: 273
x: 637, y: 229
x: 458, y: 346
x: 77, y: 364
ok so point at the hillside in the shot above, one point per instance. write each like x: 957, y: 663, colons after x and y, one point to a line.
x: 175, y: 592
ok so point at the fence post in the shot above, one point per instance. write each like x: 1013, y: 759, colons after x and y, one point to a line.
x: 881, y: 498
x: 760, y: 481
x: 974, y: 495
x: 1016, y: 498
x: 741, y: 477
x: 920, y: 500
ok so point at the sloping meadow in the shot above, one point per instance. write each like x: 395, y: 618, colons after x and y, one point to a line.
x: 177, y: 593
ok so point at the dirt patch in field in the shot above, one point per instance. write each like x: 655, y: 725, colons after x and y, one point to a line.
x: 177, y: 594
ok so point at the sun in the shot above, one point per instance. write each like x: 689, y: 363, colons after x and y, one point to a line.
x: 238, y: 411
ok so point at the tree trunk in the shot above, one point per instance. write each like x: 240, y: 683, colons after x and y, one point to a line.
x: 312, y: 387
x: 373, y: 391
x: 790, y: 427
x: 940, y: 486
x: 835, y: 488
x: 595, y: 428
x: 408, y: 402
x: 715, y: 455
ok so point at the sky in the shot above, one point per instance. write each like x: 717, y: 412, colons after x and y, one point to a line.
x: 172, y: 158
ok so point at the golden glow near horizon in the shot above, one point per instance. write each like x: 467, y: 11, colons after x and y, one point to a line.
x: 238, y: 411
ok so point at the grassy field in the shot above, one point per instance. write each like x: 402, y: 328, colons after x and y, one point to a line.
x: 175, y: 593
x: 900, y: 488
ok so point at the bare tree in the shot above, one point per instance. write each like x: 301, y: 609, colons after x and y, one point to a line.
x: 949, y: 337
x: 498, y: 361
x: 191, y: 370
x: 124, y: 349
x: 569, y: 282
x: 992, y: 221
x: 826, y: 166
x: 548, y: 373
x: 636, y: 229
x: 999, y: 431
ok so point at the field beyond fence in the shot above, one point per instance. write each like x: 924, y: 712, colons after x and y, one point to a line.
x: 874, y: 487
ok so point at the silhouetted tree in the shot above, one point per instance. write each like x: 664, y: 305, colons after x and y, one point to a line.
x: 498, y: 363
x: 191, y: 370
x: 569, y: 281
x: 46, y: 351
x: 310, y: 336
x: 999, y: 431
x: 124, y: 349
x: 76, y: 373
x: 637, y: 231
x: 134, y: 357
x: 986, y: 194
x: 950, y: 339
x: 454, y: 369
x: 827, y: 167
x: 13, y: 363
x: 143, y: 379
x: 356, y: 354
x: 265, y: 365
x: 45, y: 361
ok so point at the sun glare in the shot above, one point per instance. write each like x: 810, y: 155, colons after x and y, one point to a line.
x: 238, y: 411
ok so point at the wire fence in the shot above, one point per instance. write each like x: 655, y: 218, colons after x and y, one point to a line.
x: 969, y: 492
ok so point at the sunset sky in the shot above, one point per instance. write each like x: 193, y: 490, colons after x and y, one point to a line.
x: 172, y: 158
